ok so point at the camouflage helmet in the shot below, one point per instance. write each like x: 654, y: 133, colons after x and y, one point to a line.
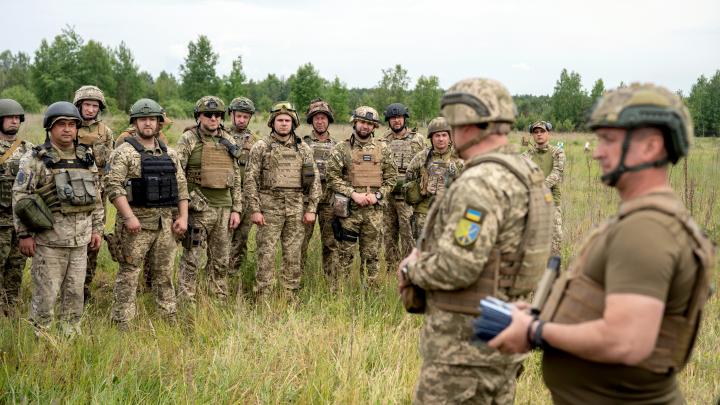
x: 478, y: 101
x: 60, y: 110
x: 367, y: 114
x: 438, y: 124
x: 146, y: 107
x: 242, y: 104
x: 318, y: 106
x: 209, y: 104
x: 10, y: 107
x: 546, y: 125
x: 89, y: 93
x: 283, y: 107
x: 646, y: 105
x: 396, y: 110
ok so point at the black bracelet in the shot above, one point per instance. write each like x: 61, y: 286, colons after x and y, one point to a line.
x: 528, y: 334
x: 537, y: 341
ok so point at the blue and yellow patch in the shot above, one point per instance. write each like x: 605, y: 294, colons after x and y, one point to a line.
x: 467, y: 229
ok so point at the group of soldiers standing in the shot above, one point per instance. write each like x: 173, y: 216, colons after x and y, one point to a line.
x: 485, y: 216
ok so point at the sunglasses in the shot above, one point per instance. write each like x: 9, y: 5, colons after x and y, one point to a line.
x: 213, y: 114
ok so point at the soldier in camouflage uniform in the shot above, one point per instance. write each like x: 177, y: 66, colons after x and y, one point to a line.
x: 12, y: 262
x: 90, y: 101
x: 58, y: 216
x: 551, y: 160
x: 281, y: 172
x: 430, y: 171
x: 144, y: 224
x: 320, y: 116
x: 361, y: 173
x: 241, y: 110
x: 488, y: 235
x: 404, y: 144
x: 209, y: 157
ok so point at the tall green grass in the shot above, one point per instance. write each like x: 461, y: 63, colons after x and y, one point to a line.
x: 348, y: 346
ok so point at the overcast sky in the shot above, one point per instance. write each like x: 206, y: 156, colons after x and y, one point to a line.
x: 523, y: 43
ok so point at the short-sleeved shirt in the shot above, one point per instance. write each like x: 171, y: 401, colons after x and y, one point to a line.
x: 647, y: 253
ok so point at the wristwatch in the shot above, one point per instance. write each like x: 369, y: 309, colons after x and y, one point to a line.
x: 378, y: 195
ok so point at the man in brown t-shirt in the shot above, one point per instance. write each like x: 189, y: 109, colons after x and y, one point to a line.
x: 620, y: 323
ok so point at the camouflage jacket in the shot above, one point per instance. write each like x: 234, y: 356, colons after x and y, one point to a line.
x: 100, y: 137
x: 551, y: 159
x: 340, y: 163
x: 418, y: 175
x: 124, y: 165
x: 8, y: 171
x: 313, y: 141
x: 496, y: 201
x: 187, y: 143
x: 260, y: 166
x: 70, y: 230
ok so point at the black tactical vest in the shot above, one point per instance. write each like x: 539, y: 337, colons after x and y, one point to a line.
x: 157, y: 186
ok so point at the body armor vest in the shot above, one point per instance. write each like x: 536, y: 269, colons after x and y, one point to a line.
x: 575, y: 297
x: 544, y: 159
x: 8, y: 170
x: 157, y: 185
x: 286, y: 167
x: 246, y: 141
x: 517, y: 272
x: 366, y: 169
x: 403, y: 153
x: 216, y: 166
x: 95, y: 137
x: 321, y: 154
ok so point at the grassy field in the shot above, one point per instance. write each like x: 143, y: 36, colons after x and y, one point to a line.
x: 342, y: 347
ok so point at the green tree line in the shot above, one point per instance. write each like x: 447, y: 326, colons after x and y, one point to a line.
x: 60, y: 66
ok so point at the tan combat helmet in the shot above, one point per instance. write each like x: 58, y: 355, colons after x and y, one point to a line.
x: 367, y: 114
x: 644, y: 105
x: 318, y: 106
x: 284, y: 107
x: 209, y: 104
x: 89, y: 93
x: 438, y: 124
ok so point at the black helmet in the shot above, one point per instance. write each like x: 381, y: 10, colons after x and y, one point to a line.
x: 396, y: 110
x: 60, y: 109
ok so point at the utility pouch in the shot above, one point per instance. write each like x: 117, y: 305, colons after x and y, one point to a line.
x: 34, y: 213
x: 308, y: 175
x: 341, y: 206
x: 341, y: 234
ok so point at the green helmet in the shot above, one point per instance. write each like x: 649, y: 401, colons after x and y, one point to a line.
x: 367, y: 114
x: 283, y: 107
x: 89, y: 93
x: 146, y: 107
x: 209, y: 104
x: 10, y: 107
x: 242, y: 104
x: 478, y: 101
x: 646, y: 105
x: 60, y: 110
x: 438, y: 124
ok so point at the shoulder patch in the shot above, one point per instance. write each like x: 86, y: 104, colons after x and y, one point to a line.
x: 20, y: 177
x: 466, y: 232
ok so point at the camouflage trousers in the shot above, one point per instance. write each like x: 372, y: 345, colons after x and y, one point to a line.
x: 418, y: 224
x: 158, y: 248
x: 367, y: 222
x: 212, y: 236
x: 12, y: 264
x: 397, y: 232
x: 57, y: 270
x: 238, y: 247
x: 327, y: 239
x: 91, y: 266
x: 455, y: 384
x: 283, y: 222
x: 557, y: 234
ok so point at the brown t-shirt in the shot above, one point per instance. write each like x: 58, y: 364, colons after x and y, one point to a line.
x: 647, y: 253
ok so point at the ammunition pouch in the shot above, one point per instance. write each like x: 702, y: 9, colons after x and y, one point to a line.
x: 398, y: 189
x: 413, y: 299
x: 194, y: 236
x: 341, y: 206
x: 114, y: 247
x: 34, y: 213
x: 76, y: 187
x: 197, y: 202
x: 412, y: 193
x: 341, y: 234
x: 6, y: 185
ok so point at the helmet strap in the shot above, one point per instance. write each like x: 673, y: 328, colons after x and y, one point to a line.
x: 613, y: 177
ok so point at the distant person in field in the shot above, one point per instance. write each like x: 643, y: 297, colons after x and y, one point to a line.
x: 551, y: 160
x: 90, y: 101
x: 12, y: 148
x: 621, y: 322
x: 319, y: 114
x: 241, y: 111
x: 58, y: 216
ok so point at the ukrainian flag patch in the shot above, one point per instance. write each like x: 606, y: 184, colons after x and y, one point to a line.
x: 474, y: 215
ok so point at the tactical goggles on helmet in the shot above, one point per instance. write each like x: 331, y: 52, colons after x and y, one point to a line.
x: 282, y: 106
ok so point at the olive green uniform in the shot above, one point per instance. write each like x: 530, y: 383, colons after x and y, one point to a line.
x: 551, y: 160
